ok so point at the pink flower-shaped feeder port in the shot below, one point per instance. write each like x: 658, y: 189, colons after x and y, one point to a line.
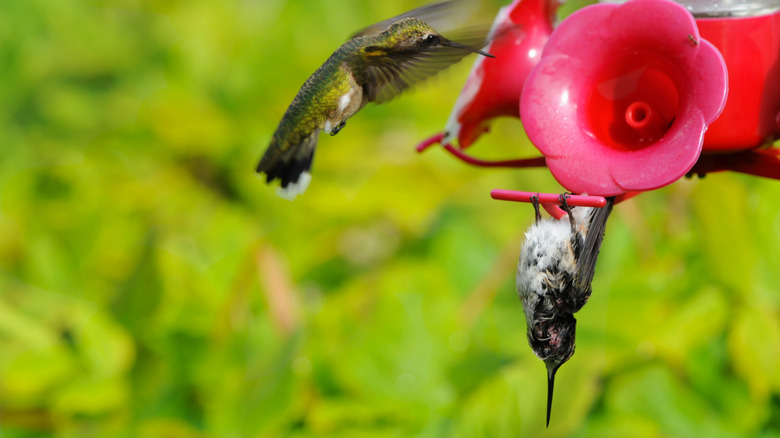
x: 519, y: 32
x: 622, y: 97
x: 493, y: 87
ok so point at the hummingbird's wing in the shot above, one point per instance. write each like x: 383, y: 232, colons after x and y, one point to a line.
x: 384, y: 74
x: 438, y: 15
x: 586, y: 265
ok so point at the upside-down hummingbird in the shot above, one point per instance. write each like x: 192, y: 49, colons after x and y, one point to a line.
x: 554, y: 275
x: 375, y: 65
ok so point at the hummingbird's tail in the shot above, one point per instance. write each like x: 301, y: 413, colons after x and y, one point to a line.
x: 290, y: 165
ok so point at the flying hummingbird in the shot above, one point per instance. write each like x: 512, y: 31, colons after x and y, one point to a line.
x: 375, y: 65
x: 554, y: 275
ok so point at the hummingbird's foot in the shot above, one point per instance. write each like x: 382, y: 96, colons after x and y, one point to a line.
x: 338, y: 128
x: 535, y: 202
x: 565, y: 207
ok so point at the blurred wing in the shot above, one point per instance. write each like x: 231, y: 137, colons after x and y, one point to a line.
x: 384, y: 74
x: 390, y: 74
x: 586, y: 266
x: 435, y: 14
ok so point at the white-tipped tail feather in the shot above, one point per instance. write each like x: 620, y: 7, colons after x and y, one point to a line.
x: 295, y: 188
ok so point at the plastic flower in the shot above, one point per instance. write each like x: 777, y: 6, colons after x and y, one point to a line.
x: 493, y: 87
x: 622, y: 97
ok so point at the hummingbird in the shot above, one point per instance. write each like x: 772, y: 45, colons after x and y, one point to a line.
x: 554, y: 274
x: 375, y: 65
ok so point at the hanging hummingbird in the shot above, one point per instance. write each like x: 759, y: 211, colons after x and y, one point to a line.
x: 554, y: 275
x: 375, y: 65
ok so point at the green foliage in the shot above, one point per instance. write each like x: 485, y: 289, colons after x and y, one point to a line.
x: 151, y: 285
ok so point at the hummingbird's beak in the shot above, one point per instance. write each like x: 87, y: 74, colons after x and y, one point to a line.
x: 470, y: 49
x: 552, y: 368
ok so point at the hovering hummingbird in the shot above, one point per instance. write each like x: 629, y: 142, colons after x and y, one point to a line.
x: 554, y: 275
x: 375, y: 65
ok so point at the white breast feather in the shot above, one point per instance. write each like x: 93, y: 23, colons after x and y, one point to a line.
x: 344, y: 101
x: 546, y: 242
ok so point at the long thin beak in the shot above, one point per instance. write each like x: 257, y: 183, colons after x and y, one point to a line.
x: 470, y: 49
x: 550, y: 385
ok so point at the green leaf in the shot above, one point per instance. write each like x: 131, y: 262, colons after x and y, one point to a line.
x: 751, y: 340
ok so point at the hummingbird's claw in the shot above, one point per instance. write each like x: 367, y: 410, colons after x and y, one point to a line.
x: 535, y: 202
x: 567, y: 209
x: 563, y: 197
x: 338, y: 128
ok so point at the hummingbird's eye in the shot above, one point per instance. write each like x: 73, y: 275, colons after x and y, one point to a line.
x: 432, y: 40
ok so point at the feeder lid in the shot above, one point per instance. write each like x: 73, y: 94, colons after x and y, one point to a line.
x: 725, y: 8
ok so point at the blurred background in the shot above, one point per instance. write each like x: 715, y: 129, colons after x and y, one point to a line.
x: 152, y: 286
